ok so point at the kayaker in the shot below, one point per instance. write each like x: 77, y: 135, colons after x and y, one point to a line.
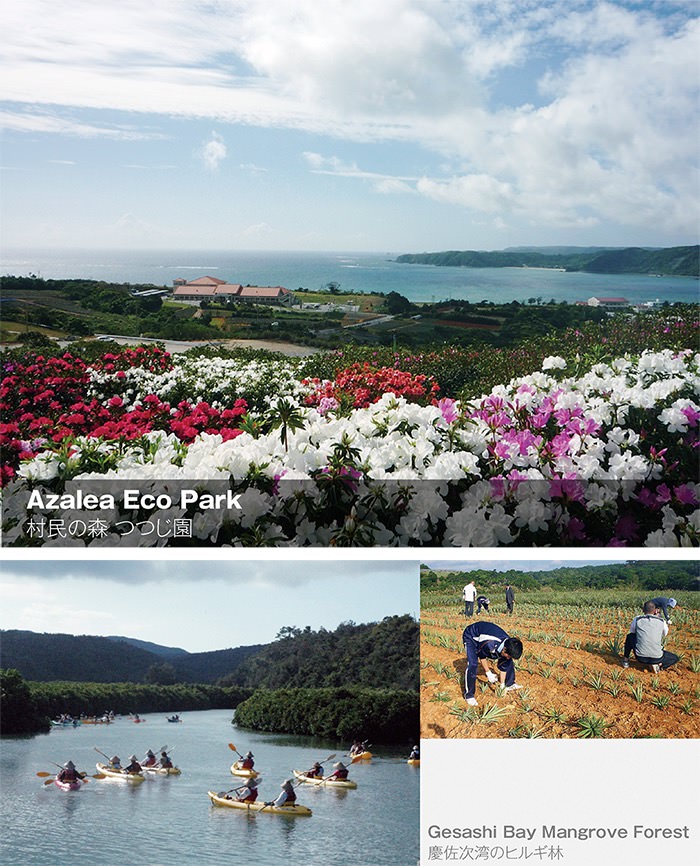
x: 248, y: 763
x: 68, y: 773
x: 316, y: 772
x: 249, y: 792
x: 287, y: 796
x: 356, y: 749
x: 415, y: 754
x: 115, y: 762
x: 340, y: 772
x: 165, y: 761
x: 134, y: 766
x: 150, y: 759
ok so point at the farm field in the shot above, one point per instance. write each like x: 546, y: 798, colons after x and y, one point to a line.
x: 571, y: 675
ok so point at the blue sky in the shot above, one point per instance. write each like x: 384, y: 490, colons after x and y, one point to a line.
x: 394, y: 126
x: 201, y: 605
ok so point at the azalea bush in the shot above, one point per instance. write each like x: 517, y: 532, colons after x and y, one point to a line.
x: 605, y: 456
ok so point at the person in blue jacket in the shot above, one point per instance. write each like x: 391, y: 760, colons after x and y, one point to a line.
x: 662, y: 603
x: 485, y: 642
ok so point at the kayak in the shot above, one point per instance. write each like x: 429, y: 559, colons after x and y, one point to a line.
x: 363, y: 756
x: 75, y: 785
x: 237, y: 770
x: 414, y: 762
x: 292, y: 811
x: 122, y: 775
x: 320, y: 782
x: 162, y: 771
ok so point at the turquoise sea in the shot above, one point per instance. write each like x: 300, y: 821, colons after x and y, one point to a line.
x: 365, y: 272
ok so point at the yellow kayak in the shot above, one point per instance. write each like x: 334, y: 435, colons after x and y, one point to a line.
x: 162, y: 771
x: 293, y: 811
x: 362, y: 756
x: 237, y: 770
x: 414, y: 762
x: 122, y: 775
x: 320, y: 782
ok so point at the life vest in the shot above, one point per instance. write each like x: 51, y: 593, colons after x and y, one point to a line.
x: 339, y: 774
x: 247, y: 763
x: 252, y: 796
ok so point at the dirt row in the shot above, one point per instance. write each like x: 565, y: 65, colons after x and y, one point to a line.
x: 557, y: 689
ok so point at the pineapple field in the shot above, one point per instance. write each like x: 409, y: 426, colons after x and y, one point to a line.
x: 571, y: 678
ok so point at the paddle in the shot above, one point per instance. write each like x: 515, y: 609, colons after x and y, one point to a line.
x: 108, y: 759
x: 234, y: 749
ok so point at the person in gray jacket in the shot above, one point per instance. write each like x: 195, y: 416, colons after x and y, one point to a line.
x: 646, y: 636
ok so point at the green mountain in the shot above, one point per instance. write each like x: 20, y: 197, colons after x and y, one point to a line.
x: 671, y: 261
x: 86, y: 658
x: 375, y: 655
x: 165, y: 651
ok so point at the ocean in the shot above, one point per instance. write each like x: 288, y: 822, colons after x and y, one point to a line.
x: 356, y: 272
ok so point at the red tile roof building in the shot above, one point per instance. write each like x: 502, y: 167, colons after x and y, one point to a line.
x: 214, y: 289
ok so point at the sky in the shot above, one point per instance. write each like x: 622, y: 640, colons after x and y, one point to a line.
x: 200, y: 605
x: 392, y: 126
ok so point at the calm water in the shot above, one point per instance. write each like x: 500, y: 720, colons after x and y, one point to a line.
x: 170, y: 822
x: 366, y: 272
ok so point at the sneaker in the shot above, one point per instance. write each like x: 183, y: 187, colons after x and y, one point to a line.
x: 655, y: 669
x: 513, y: 687
x: 625, y: 663
x: 472, y: 702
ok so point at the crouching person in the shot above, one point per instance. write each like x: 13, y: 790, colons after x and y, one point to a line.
x: 485, y: 642
x: 646, y: 636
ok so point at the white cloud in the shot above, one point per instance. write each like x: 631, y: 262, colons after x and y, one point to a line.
x: 257, y: 230
x: 52, y: 124
x: 213, y: 152
x: 609, y: 131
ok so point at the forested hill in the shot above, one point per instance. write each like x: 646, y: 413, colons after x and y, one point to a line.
x: 85, y: 658
x: 661, y: 575
x: 376, y: 655
x: 674, y: 261
x: 379, y: 655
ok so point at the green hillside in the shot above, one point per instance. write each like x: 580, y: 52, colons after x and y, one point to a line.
x: 674, y: 261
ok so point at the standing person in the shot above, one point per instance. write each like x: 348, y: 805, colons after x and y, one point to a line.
x: 482, y: 602
x: 510, y: 598
x: 468, y: 595
x: 484, y: 641
x: 662, y: 603
x: 646, y: 637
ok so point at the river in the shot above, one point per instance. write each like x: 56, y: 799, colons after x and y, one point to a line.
x: 169, y: 821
